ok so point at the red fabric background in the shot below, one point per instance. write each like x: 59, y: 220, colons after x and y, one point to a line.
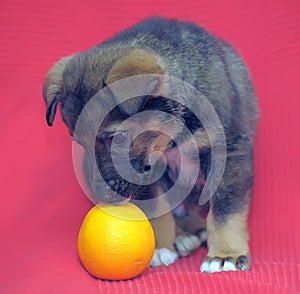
x: 42, y: 205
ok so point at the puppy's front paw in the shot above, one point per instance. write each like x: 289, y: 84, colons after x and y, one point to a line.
x: 163, y: 256
x: 217, y: 264
x: 184, y: 245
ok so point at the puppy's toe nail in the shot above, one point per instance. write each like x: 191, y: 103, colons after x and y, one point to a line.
x: 243, y: 263
x: 167, y: 256
x: 155, y: 259
x: 205, y: 265
x: 194, y: 241
x: 229, y: 264
x: 186, y: 244
x: 211, y: 265
x: 163, y: 256
x: 215, y: 265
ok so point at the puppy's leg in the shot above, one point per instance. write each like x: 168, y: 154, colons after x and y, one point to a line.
x: 190, y: 230
x: 227, y: 218
x: 164, y: 230
x: 227, y: 243
x: 171, y: 241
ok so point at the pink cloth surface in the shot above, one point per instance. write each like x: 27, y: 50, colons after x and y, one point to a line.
x: 42, y: 204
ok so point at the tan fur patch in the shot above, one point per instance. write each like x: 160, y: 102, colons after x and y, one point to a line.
x: 202, y: 138
x: 136, y: 62
x: 160, y: 144
x: 229, y: 238
x: 164, y: 227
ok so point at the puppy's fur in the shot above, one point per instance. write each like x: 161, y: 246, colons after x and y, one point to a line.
x: 188, y: 52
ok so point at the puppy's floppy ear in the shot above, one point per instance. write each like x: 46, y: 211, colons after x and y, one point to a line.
x: 137, y: 62
x: 53, y: 88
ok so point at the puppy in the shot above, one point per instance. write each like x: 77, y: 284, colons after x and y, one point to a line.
x: 159, y: 49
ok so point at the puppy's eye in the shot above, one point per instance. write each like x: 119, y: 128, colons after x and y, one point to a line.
x: 118, y: 137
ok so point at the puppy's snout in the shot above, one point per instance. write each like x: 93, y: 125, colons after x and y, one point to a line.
x: 139, y: 165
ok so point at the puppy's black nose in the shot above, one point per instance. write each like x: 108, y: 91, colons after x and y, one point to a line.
x: 141, y: 167
x: 147, y: 168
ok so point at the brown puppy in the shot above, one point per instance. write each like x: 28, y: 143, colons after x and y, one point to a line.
x: 159, y: 48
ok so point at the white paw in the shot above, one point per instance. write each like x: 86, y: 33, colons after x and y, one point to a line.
x: 186, y: 244
x: 163, y: 256
x: 217, y: 264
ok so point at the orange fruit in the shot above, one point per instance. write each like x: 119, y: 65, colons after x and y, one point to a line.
x: 116, y: 242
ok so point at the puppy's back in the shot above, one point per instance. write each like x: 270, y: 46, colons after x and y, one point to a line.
x: 194, y: 55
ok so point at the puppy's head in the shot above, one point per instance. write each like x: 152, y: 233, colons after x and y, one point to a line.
x: 75, y: 79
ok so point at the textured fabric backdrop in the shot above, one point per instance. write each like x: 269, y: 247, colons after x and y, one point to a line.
x: 42, y: 205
